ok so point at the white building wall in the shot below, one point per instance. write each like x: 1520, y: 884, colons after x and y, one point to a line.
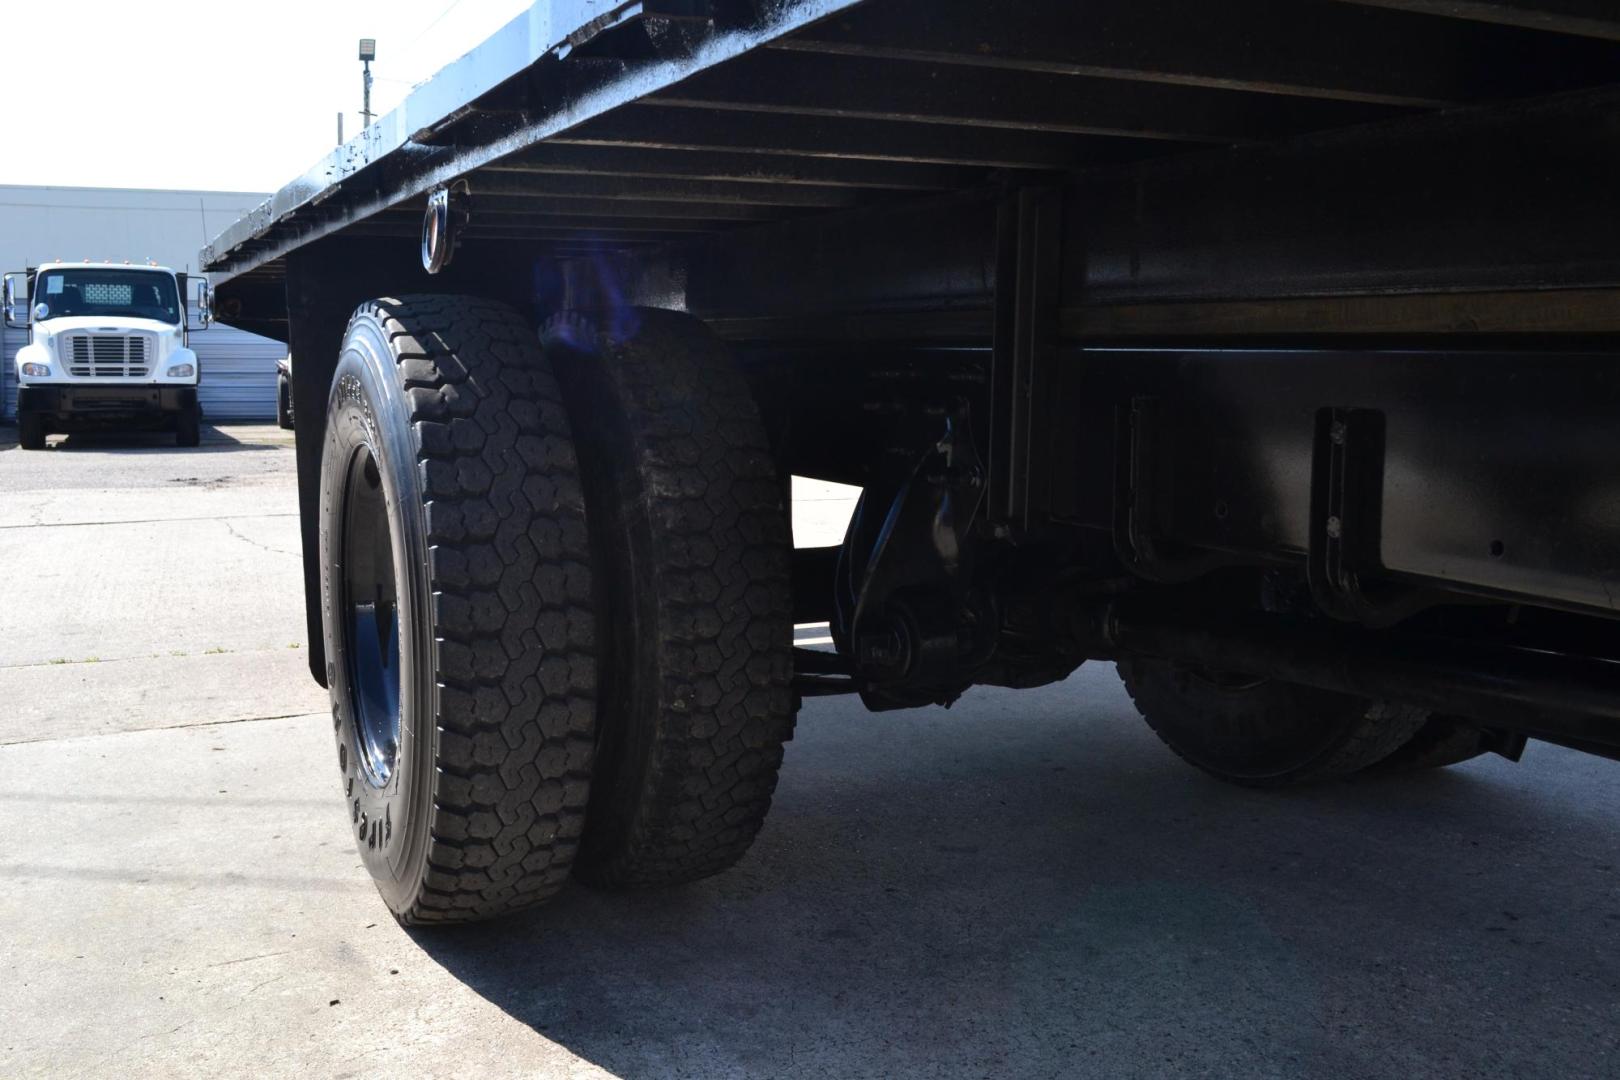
x: 38, y: 224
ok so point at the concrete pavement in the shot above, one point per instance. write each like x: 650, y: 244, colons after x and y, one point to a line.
x: 1025, y: 885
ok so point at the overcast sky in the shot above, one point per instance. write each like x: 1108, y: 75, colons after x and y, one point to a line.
x: 228, y: 95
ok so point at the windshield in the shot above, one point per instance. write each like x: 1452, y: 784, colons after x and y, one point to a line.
x: 141, y: 294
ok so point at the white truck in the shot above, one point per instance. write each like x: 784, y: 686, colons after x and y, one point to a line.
x: 108, y: 346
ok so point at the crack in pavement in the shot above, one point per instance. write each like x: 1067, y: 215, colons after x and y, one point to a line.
x: 247, y: 959
x: 163, y: 727
x: 263, y: 547
x: 138, y: 521
x: 214, y: 651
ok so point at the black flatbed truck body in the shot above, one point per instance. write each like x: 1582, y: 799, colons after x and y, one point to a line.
x: 1322, y: 293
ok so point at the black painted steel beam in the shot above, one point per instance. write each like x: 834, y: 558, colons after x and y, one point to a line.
x: 580, y: 206
x: 852, y: 139
x: 1587, y: 18
x: 1515, y: 201
x: 506, y: 223
x: 803, y: 84
x: 691, y: 163
x: 1320, y: 50
x: 593, y: 238
x: 1566, y: 697
x: 660, y: 189
x: 1520, y: 195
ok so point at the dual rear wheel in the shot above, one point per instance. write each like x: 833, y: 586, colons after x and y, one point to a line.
x: 557, y: 613
x: 1266, y: 733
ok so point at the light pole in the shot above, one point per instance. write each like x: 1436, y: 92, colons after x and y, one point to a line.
x: 368, y: 53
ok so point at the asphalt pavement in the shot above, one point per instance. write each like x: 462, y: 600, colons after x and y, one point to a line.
x: 1025, y: 885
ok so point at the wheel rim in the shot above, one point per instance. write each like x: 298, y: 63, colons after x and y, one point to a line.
x: 371, y: 620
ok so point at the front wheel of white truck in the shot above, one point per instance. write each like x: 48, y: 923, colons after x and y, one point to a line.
x: 188, y: 426
x: 30, y: 431
x: 457, y: 608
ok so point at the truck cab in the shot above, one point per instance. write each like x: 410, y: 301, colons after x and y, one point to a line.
x: 108, y: 346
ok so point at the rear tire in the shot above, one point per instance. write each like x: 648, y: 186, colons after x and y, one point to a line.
x: 284, y: 415
x: 692, y: 547
x: 1262, y: 732
x: 31, y: 431
x: 188, y: 427
x: 458, y: 620
x: 1441, y: 742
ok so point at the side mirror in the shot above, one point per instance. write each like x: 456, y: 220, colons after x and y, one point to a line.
x: 204, y: 305
x: 16, y: 298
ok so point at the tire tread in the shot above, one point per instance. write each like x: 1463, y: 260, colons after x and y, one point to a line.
x: 508, y: 569
x: 1371, y: 730
x: 1441, y: 742
x: 721, y: 592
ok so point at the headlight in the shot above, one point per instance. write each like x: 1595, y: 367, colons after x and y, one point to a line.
x: 39, y: 371
x: 182, y: 371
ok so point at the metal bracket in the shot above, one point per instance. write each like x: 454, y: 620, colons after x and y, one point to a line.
x: 1346, y: 527
x: 449, y: 209
x: 904, y: 609
x: 1137, y: 486
x: 1029, y: 271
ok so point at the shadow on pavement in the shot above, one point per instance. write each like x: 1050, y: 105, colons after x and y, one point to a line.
x: 214, y: 440
x: 1029, y: 885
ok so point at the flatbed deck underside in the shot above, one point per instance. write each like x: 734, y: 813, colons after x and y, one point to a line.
x: 1328, y: 153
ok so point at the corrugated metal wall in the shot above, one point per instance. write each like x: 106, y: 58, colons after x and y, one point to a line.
x: 12, y: 340
x: 238, y: 373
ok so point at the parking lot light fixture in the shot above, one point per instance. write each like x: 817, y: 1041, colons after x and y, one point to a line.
x: 368, y: 53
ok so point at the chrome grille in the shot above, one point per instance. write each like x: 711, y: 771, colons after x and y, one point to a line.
x: 109, y: 356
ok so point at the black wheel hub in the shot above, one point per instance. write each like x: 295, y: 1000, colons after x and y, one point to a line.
x: 371, y: 620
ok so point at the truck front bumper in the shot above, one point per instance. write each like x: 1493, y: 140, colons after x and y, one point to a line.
x: 65, y: 404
